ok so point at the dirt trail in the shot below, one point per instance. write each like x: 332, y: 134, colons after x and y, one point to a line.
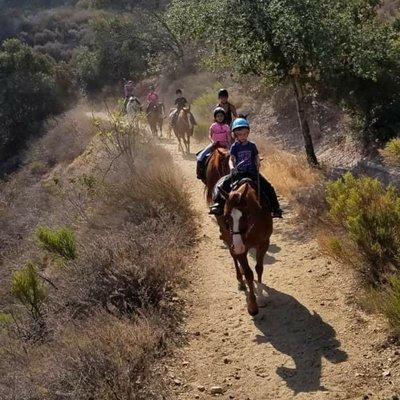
x: 309, y: 342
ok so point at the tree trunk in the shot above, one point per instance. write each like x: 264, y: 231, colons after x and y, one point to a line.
x: 304, y: 126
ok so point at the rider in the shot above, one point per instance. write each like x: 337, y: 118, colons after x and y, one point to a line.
x: 244, y: 163
x: 230, y: 109
x: 181, y: 103
x: 152, y: 98
x: 129, y: 89
x: 219, y: 133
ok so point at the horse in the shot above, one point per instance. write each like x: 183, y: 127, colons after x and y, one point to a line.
x: 217, y: 167
x: 133, y: 107
x: 244, y: 225
x: 155, y: 118
x: 183, y: 129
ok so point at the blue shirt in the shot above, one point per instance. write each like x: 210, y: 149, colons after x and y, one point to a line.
x: 245, y: 156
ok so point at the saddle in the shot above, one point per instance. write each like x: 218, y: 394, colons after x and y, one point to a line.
x: 236, y: 184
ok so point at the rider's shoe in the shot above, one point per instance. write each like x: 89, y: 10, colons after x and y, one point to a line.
x: 277, y: 213
x: 216, y: 209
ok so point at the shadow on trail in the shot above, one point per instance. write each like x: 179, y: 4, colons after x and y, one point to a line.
x: 293, y: 330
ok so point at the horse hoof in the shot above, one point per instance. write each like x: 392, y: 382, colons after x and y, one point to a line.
x: 241, y: 286
x: 253, y: 311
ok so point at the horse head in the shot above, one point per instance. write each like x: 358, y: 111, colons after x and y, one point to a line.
x: 240, y: 208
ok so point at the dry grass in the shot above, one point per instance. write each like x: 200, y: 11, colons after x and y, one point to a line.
x: 293, y: 179
x: 109, y: 311
x: 104, y: 357
x: 289, y: 173
x: 66, y: 139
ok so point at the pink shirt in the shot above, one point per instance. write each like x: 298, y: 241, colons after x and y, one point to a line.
x: 221, y: 133
x: 152, y: 97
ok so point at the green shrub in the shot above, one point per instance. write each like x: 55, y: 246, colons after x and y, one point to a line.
x: 29, y: 290
x: 391, y: 152
x: 370, y: 217
x: 61, y: 241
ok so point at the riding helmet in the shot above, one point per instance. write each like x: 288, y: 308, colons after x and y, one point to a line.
x: 219, y: 110
x: 239, y: 123
x: 223, y: 93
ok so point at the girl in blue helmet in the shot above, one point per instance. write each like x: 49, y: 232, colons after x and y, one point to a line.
x: 244, y: 163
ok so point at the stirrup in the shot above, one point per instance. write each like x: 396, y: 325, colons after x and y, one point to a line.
x: 216, y: 209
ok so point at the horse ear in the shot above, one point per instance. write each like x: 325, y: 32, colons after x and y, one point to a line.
x: 246, y: 189
x: 236, y: 198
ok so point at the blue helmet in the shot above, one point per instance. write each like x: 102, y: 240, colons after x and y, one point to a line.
x: 240, y: 123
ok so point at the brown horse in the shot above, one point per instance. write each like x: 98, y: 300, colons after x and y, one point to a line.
x: 155, y: 118
x: 217, y: 167
x: 183, y: 129
x: 246, y: 225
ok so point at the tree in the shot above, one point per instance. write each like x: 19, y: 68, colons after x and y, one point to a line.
x: 310, y: 43
x: 29, y: 93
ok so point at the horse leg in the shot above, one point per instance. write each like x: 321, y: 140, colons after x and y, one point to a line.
x: 239, y: 275
x: 180, y: 147
x: 187, y: 143
x: 160, y: 126
x: 151, y: 129
x: 252, y: 306
x: 261, y: 250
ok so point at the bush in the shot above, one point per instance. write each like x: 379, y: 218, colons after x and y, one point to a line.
x: 61, y: 242
x: 391, y: 152
x: 386, y: 301
x: 29, y: 93
x: 29, y: 290
x: 369, y: 214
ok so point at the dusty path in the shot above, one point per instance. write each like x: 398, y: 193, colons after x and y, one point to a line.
x: 309, y: 342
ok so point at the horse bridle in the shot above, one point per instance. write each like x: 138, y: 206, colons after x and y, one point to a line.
x: 241, y: 231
